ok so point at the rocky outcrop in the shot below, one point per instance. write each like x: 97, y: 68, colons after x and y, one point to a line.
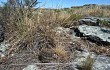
x: 94, y: 33
x: 86, y: 60
x: 93, y: 21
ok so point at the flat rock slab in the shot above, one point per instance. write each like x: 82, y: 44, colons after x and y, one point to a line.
x: 93, y: 21
x: 99, y: 34
x: 102, y: 63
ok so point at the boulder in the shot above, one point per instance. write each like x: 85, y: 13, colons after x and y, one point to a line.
x: 95, y: 33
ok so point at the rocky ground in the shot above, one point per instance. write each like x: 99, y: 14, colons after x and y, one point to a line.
x: 83, y: 54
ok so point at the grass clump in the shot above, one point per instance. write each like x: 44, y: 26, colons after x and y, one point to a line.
x: 87, y: 65
x: 61, y: 53
x: 105, y: 23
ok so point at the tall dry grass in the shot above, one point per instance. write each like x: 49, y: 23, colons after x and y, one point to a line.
x: 96, y: 12
x: 25, y: 24
x: 19, y: 22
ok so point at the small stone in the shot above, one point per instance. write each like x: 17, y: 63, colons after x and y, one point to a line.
x: 31, y: 67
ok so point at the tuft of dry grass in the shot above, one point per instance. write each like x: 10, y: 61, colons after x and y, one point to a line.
x: 87, y: 65
x: 61, y: 54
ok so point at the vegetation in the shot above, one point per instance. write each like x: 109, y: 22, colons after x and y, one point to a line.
x: 88, y: 64
x: 105, y: 23
x: 29, y: 27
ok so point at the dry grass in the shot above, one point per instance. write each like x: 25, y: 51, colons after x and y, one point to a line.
x: 88, y: 64
x: 96, y: 12
x: 61, y: 54
x: 27, y: 26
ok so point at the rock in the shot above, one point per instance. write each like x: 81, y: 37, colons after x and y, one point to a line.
x: 70, y: 67
x: 81, y: 57
x: 95, y: 33
x: 3, y: 48
x: 31, y: 67
x: 2, y: 54
x: 62, y: 30
x: 93, y: 21
x: 101, y: 63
